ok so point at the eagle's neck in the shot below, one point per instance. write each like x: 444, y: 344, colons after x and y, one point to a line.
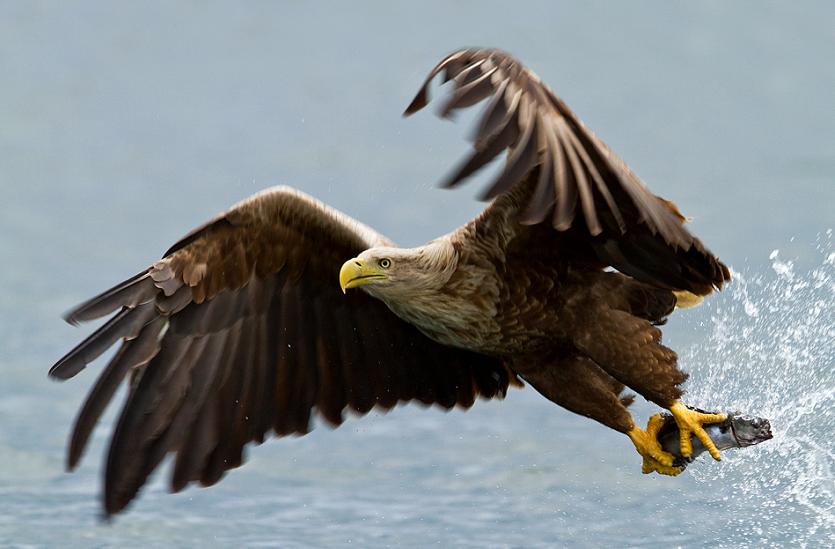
x: 450, y: 301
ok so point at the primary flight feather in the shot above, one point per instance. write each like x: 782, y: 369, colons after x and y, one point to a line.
x: 249, y: 325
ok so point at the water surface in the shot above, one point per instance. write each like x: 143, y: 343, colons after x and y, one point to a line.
x: 123, y: 125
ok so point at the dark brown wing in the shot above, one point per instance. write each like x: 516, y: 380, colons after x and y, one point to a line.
x: 629, y: 228
x: 242, y: 330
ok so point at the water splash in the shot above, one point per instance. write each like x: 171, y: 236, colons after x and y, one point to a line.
x: 771, y: 353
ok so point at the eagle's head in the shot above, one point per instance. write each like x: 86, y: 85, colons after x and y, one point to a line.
x: 391, y: 272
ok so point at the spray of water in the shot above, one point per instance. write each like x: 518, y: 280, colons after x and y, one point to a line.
x: 771, y: 353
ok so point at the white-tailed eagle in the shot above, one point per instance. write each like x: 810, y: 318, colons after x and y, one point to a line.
x: 246, y: 328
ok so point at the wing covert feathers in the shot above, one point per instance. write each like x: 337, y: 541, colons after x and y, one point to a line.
x: 241, y: 331
x: 576, y: 178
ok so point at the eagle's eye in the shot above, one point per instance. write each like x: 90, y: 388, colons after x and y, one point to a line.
x: 385, y: 263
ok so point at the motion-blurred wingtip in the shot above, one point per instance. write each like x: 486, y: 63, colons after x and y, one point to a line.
x: 65, y: 369
x: 420, y: 101
x: 71, y: 318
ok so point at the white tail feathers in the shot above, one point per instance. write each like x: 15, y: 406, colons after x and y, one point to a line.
x: 686, y: 300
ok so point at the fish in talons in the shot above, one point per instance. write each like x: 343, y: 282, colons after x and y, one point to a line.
x: 737, y: 431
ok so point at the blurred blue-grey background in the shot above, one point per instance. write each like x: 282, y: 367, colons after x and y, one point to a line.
x: 123, y: 125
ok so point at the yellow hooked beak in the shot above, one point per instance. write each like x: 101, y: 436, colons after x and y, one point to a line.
x: 356, y: 272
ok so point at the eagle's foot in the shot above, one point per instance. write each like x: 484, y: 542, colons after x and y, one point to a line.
x: 652, y: 466
x: 646, y: 442
x: 690, y: 422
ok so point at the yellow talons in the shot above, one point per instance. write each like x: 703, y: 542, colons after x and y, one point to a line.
x: 690, y: 422
x: 652, y: 466
x: 646, y: 442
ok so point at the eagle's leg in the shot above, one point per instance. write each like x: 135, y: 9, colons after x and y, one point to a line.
x: 629, y: 349
x: 577, y: 383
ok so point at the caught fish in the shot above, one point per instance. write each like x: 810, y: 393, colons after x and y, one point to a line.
x: 738, y: 431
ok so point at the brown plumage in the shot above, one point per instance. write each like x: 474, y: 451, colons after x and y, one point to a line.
x: 240, y: 330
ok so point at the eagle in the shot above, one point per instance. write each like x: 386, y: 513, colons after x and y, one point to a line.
x: 241, y: 330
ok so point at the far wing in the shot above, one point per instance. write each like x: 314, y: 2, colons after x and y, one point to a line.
x: 241, y: 330
x: 578, y: 180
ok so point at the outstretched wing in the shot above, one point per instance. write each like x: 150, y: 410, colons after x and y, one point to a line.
x: 628, y: 227
x: 241, y: 330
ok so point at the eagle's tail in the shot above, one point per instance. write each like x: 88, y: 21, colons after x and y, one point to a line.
x: 686, y: 300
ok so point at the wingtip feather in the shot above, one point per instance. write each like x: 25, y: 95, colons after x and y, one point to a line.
x: 66, y: 368
x: 421, y: 100
x: 131, y: 292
